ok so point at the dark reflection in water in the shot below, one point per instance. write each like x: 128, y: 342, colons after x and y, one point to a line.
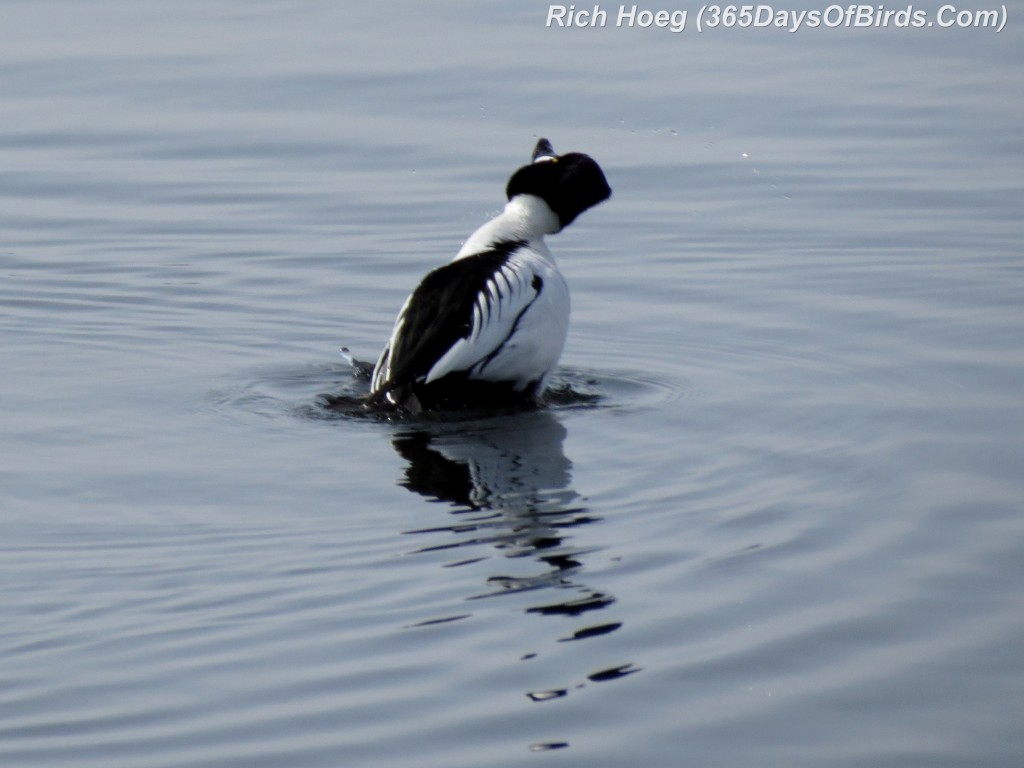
x: 507, y: 481
x: 586, y: 632
x: 548, y: 746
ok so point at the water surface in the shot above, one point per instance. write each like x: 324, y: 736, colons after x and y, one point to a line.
x: 782, y: 526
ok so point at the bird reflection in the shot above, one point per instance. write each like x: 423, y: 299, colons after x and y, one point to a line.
x: 507, y: 480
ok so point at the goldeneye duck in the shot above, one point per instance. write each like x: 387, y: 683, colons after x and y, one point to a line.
x: 488, y: 328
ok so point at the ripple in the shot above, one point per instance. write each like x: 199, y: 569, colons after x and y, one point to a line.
x: 339, y: 392
x: 573, y: 389
x: 280, y: 392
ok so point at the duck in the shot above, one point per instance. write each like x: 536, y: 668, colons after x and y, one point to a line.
x: 487, y: 328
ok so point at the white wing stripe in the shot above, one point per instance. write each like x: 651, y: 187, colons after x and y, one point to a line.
x: 491, y: 301
x: 495, y: 313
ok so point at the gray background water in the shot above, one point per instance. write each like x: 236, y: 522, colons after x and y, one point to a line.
x: 788, y: 533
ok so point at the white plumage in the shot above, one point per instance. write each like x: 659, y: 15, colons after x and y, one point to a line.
x: 489, y: 326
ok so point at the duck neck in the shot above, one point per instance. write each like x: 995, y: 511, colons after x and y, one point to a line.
x: 525, y: 218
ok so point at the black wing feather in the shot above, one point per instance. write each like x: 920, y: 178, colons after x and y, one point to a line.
x: 440, y: 312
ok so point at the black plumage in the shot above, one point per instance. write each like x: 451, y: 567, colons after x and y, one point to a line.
x: 487, y: 328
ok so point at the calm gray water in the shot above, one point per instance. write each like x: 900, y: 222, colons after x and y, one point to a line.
x: 784, y: 528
